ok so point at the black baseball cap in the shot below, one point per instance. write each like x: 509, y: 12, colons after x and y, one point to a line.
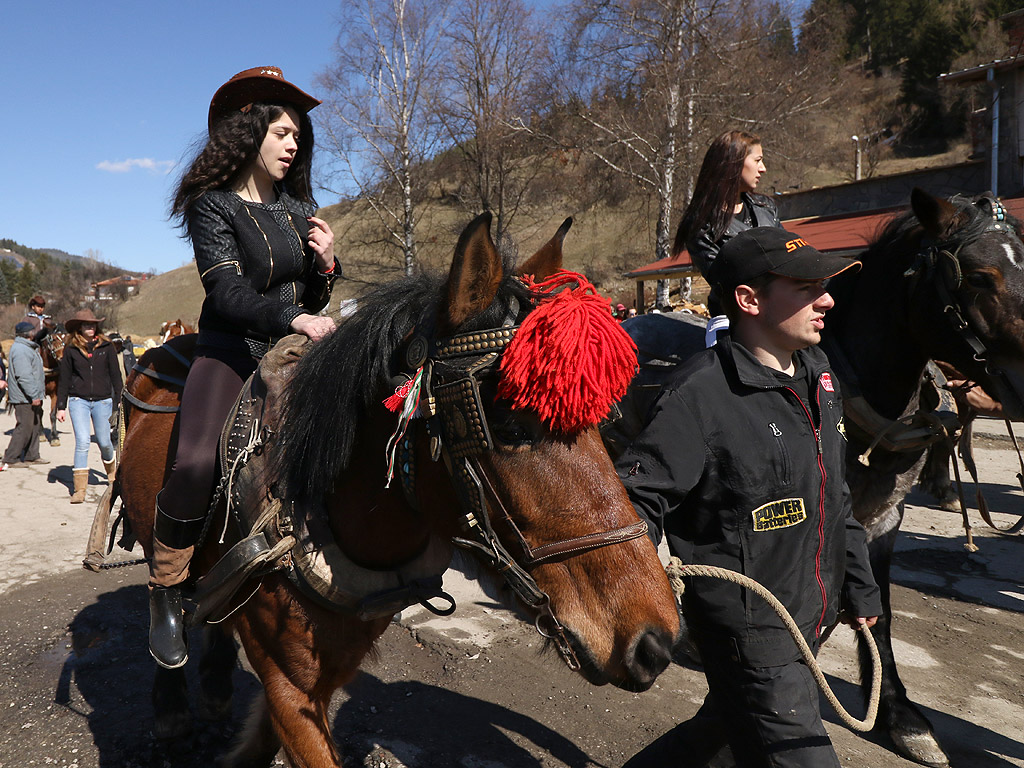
x: 771, y: 250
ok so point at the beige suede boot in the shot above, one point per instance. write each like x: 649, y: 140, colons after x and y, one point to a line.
x: 110, y: 467
x: 81, y: 482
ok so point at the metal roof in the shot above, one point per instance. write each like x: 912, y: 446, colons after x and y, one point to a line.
x: 843, y: 234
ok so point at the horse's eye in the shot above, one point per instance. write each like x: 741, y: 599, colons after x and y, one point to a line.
x: 511, y: 433
x: 979, y: 280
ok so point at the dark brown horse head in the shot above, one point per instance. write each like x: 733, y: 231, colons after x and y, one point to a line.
x: 976, y: 272
x: 554, y: 516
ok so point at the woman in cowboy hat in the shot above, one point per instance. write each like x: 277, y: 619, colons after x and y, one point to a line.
x: 267, y: 266
x: 88, y: 386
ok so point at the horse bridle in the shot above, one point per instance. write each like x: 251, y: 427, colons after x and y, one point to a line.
x: 456, y: 423
x: 939, y: 265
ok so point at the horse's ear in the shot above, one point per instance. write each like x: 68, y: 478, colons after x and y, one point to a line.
x: 935, y: 214
x: 548, y: 260
x: 474, y: 277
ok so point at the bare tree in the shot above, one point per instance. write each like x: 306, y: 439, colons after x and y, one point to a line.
x: 493, y: 62
x: 650, y: 81
x: 375, y: 118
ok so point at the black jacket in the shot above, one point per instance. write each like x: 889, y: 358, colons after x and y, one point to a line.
x: 257, y: 269
x: 703, y: 249
x: 741, y: 474
x: 90, y: 378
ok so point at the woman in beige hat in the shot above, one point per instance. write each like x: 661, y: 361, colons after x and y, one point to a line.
x: 267, y: 265
x: 89, y: 385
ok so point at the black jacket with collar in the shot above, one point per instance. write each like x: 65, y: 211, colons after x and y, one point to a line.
x: 257, y: 269
x: 94, y: 377
x: 703, y: 250
x: 741, y: 474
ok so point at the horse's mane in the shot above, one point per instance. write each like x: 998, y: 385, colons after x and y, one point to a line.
x: 902, y: 237
x: 343, y: 376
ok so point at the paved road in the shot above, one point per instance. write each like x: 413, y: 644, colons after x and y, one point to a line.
x: 470, y: 690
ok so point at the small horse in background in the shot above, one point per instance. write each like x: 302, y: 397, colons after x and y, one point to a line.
x: 539, y: 503
x: 51, y: 349
x: 173, y: 328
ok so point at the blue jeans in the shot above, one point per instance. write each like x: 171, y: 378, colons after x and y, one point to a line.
x: 81, y: 412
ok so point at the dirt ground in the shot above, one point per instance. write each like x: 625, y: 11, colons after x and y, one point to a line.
x: 473, y: 690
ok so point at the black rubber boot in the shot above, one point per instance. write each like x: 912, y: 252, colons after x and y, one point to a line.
x: 168, y: 642
x: 173, y: 544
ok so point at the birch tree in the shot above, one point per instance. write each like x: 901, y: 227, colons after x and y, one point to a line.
x: 492, y: 62
x: 375, y: 118
x: 649, y: 82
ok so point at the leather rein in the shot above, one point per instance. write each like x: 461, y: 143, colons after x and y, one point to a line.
x: 457, y: 425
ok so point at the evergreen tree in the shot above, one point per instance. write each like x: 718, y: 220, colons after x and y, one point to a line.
x: 10, y: 274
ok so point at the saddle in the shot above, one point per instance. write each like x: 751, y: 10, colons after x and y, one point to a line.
x: 281, y: 534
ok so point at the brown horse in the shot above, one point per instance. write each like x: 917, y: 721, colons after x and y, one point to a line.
x: 51, y: 349
x: 551, y: 498
x: 174, y: 328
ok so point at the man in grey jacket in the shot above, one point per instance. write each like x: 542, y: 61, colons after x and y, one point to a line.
x: 26, y: 387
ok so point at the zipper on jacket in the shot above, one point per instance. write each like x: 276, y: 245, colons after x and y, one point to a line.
x: 821, y: 504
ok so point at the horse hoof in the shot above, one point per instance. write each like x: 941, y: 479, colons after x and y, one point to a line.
x: 921, y: 748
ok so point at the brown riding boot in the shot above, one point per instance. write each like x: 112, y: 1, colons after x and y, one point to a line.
x: 110, y: 467
x: 168, y: 643
x: 81, y: 483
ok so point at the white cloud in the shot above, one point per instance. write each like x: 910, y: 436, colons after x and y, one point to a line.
x: 145, y: 163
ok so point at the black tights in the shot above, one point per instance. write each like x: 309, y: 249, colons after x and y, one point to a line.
x: 212, y: 386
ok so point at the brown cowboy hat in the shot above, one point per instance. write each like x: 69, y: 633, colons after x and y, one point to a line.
x: 265, y: 84
x: 82, y: 316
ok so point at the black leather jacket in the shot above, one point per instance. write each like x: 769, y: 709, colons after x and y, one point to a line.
x: 741, y: 474
x: 257, y: 269
x: 703, y: 249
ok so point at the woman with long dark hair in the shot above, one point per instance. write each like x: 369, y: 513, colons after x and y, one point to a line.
x: 267, y: 266
x: 724, y: 203
x: 88, y: 386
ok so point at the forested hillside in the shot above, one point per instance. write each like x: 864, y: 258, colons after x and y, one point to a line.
x: 601, y: 109
x: 494, y: 105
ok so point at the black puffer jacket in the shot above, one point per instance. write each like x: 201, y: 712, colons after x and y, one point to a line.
x: 703, y: 249
x: 741, y: 474
x: 96, y: 376
x: 257, y: 268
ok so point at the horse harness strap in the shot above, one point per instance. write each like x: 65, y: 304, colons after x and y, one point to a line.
x: 915, y: 431
x: 457, y: 426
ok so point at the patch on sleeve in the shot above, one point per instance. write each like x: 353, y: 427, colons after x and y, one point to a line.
x: 826, y: 382
x: 779, y: 514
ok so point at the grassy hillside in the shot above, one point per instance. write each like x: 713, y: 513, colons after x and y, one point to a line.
x: 602, y: 243
x: 172, y: 295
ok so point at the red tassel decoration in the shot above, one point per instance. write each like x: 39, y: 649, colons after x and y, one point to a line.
x: 395, y: 402
x: 570, y: 360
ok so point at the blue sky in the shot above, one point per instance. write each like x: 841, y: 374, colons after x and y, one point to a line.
x: 103, y: 99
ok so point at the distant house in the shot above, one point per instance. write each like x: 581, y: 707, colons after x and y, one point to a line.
x: 115, y: 288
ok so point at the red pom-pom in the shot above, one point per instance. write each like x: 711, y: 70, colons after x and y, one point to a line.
x: 570, y: 360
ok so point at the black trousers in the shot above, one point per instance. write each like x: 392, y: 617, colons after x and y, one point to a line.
x: 769, y: 717
x: 25, y: 438
x: 213, y: 384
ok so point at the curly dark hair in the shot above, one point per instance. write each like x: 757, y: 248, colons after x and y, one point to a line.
x: 717, y: 189
x: 234, y: 142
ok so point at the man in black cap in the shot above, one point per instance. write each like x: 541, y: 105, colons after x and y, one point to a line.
x: 25, y: 392
x: 742, y: 465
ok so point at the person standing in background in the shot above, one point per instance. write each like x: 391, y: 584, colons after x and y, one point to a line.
x: 89, y: 385
x: 25, y: 392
